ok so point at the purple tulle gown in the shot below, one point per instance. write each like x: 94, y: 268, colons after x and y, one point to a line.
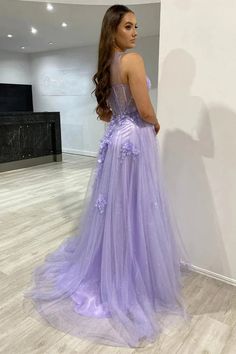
x: 116, y: 280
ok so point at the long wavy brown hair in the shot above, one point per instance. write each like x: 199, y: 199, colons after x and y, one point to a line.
x: 101, y: 79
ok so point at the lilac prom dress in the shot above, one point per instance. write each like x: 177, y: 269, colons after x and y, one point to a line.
x: 118, y: 277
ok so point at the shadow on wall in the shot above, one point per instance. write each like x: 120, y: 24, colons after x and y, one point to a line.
x: 208, y: 133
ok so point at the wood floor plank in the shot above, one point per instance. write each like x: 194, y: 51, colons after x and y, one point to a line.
x: 40, y: 207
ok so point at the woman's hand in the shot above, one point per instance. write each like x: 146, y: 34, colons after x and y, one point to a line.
x: 157, y: 127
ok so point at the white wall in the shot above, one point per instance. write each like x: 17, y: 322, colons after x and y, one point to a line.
x: 197, y: 111
x: 14, y: 68
x: 62, y: 82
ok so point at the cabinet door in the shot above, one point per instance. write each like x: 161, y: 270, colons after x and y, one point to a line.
x: 37, y: 139
x: 10, y: 137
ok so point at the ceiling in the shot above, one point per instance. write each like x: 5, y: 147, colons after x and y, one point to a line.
x: 84, y: 23
x: 98, y: 2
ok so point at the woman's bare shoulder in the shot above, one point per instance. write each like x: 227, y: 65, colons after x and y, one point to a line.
x: 132, y: 62
x: 132, y: 57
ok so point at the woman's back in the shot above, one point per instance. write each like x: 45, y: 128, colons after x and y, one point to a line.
x: 120, y: 99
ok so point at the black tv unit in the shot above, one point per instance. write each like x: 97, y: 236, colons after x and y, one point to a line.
x: 16, y: 98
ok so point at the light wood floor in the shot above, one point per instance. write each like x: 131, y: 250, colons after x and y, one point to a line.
x: 39, y: 207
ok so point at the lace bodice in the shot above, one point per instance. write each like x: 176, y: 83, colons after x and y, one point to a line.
x: 120, y: 99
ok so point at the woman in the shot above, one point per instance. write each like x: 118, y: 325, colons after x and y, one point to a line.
x: 116, y: 280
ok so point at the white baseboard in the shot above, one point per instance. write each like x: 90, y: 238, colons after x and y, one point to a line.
x: 210, y: 274
x: 80, y: 152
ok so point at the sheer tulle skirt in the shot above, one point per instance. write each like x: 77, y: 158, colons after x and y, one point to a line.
x: 117, y: 280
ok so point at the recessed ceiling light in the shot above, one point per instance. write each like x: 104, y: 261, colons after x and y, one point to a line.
x: 22, y: 47
x: 64, y: 24
x: 9, y: 35
x: 34, y: 30
x: 50, y: 43
x: 50, y: 7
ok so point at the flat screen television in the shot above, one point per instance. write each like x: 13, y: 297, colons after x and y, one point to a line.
x: 15, y: 98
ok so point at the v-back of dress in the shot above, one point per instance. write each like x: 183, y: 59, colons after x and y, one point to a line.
x: 115, y: 280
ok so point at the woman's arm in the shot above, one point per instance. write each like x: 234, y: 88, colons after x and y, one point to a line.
x: 136, y: 73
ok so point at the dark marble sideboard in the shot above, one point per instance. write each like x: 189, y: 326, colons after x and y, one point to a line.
x: 29, y: 138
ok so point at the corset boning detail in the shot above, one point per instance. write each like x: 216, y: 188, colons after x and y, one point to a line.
x: 120, y: 99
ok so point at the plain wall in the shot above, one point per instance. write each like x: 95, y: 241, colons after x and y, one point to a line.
x: 197, y: 111
x: 14, y: 68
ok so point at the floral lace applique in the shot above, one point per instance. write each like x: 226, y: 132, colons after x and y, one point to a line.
x: 128, y: 149
x: 104, y: 142
x: 101, y: 203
